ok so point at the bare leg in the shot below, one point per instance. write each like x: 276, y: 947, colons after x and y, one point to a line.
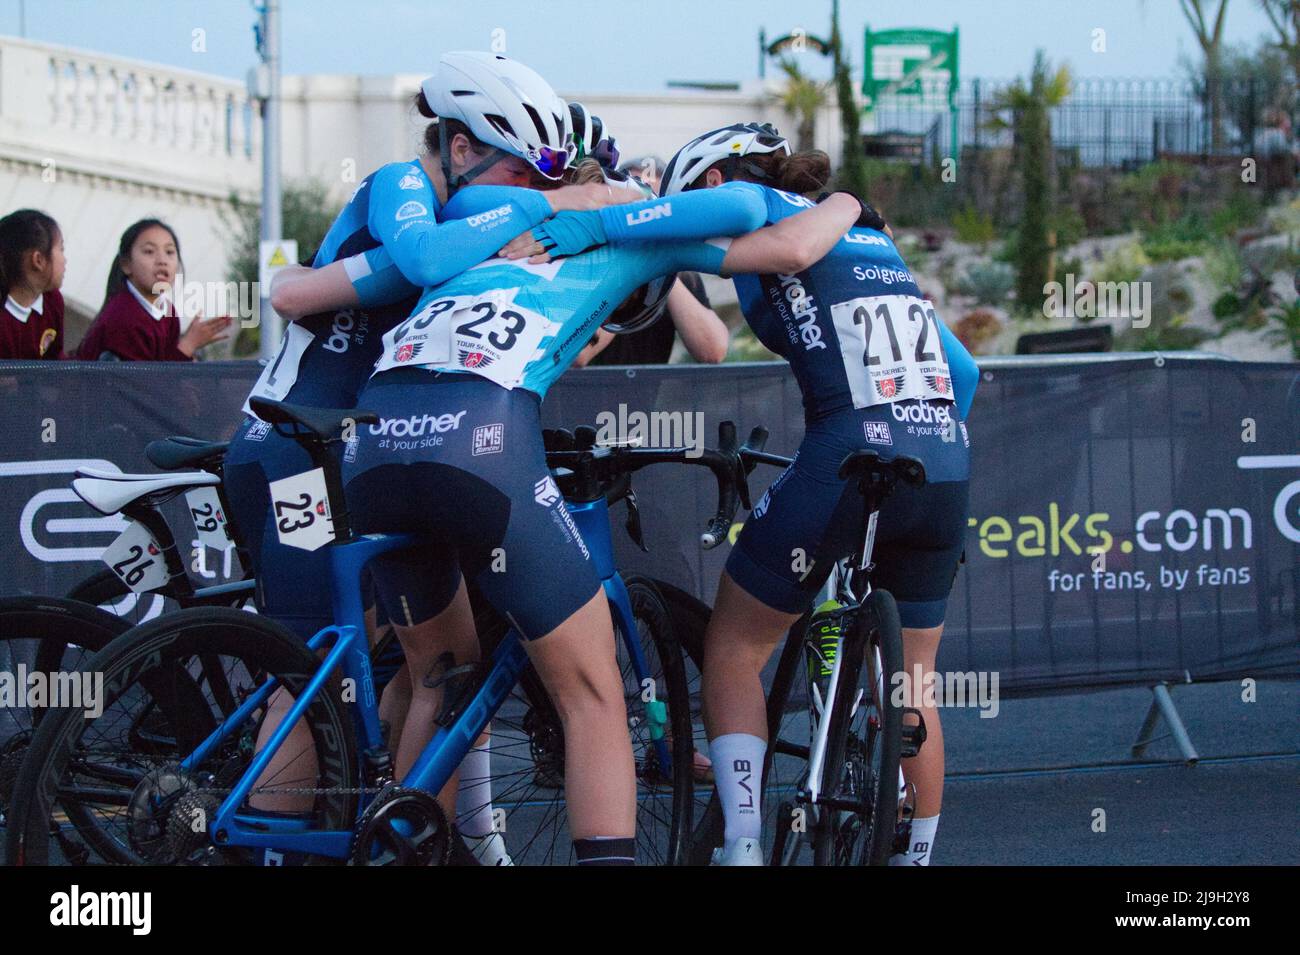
x: 452, y: 630
x: 576, y: 662
x: 925, y: 769
x: 739, y: 641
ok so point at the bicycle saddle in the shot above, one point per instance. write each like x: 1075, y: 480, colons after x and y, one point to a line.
x: 867, y: 464
x: 325, y: 423
x: 174, y: 453
x: 108, y: 492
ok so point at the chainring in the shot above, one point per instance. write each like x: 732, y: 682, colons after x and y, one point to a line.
x: 402, y: 827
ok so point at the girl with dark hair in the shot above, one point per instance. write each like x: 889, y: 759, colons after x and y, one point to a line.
x: 31, y: 271
x: 138, y: 321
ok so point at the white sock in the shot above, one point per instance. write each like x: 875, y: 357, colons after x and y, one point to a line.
x: 918, y: 849
x: 738, y: 774
x: 474, y: 794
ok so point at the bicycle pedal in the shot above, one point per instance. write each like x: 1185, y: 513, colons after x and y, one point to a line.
x: 902, y: 835
x: 913, y: 736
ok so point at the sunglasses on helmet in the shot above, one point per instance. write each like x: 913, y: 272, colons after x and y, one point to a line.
x: 551, y: 163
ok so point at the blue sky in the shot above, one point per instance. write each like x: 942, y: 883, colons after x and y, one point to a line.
x: 598, y: 45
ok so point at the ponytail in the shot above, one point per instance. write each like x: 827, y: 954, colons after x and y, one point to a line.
x: 116, y: 279
x: 803, y: 172
x: 27, y: 230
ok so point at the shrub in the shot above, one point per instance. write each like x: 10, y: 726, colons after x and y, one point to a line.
x: 1288, y: 330
x: 973, y: 226
x: 977, y: 328
x: 1124, y: 263
x: 1226, y: 306
x: 989, y: 283
x: 1223, y: 265
x: 1241, y: 211
x: 1171, y: 241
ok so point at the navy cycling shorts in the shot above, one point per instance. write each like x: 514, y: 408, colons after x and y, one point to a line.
x: 809, y: 518
x: 292, y: 584
x: 459, y: 459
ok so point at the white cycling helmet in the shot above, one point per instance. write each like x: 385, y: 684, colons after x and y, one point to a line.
x: 592, y: 138
x: 646, y: 304
x: 504, y: 104
x: 729, y: 142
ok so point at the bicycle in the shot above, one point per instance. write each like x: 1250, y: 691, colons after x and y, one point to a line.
x: 48, y: 635
x: 835, y: 760
x: 129, y: 808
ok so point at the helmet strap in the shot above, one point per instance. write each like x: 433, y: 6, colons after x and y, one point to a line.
x: 466, y: 178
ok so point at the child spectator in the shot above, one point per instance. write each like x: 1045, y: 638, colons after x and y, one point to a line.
x: 31, y: 271
x: 138, y: 321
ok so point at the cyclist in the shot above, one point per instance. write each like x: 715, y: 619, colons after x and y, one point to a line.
x: 855, y: 332
x: 449, y: 403
x: 485, y: 133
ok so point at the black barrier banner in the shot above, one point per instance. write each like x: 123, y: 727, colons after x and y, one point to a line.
x: 1132, y: 520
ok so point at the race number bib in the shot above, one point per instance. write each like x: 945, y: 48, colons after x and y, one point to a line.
x: 282, y: 371
x: 300, y: 505
x: 891, y: 349
x: 487, y: 334
x: 136, y: 559
x: 209, y: 518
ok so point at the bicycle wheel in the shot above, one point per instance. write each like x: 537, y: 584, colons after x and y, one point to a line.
x: 105, y: 590
x: 527, y: 750
x: 109, y: 787
x: 864, y: 742
x: 47, y: 636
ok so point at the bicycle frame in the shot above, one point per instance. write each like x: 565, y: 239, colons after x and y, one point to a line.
x: 347, y: 647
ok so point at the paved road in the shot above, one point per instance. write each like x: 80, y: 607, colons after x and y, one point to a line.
x: 1003, y: 806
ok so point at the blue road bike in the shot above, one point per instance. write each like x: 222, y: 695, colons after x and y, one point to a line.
x: 94, y: 790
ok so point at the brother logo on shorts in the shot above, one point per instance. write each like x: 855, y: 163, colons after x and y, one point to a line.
x: 489, y: 438
x: 417, y: 425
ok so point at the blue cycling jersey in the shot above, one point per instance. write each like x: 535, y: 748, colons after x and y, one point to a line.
x: 800, y: 317
x: 383, y: 235
x: 522, y: 325
x: 395, y: 215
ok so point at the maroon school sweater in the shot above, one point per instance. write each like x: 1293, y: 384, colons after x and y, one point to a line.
x: 41, y: 336
x: 125, y: 329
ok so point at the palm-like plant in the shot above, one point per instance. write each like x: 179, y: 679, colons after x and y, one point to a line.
x: 802, y: 97
x: 1024, y: 109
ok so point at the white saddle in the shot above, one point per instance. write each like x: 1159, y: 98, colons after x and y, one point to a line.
x: 108, y: 492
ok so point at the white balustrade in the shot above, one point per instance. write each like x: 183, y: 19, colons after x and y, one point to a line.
x: 170, y: 126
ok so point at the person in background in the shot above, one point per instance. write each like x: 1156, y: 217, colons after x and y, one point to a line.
x: 138, y: 321
x: 704, y: 334
x: 31, y: 271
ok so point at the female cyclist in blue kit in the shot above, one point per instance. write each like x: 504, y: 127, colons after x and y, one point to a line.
x: 499, y: 125
x: 876, y: 369
x: 474, y: 361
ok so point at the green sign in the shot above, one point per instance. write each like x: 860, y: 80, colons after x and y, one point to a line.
x: 916, y: 67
